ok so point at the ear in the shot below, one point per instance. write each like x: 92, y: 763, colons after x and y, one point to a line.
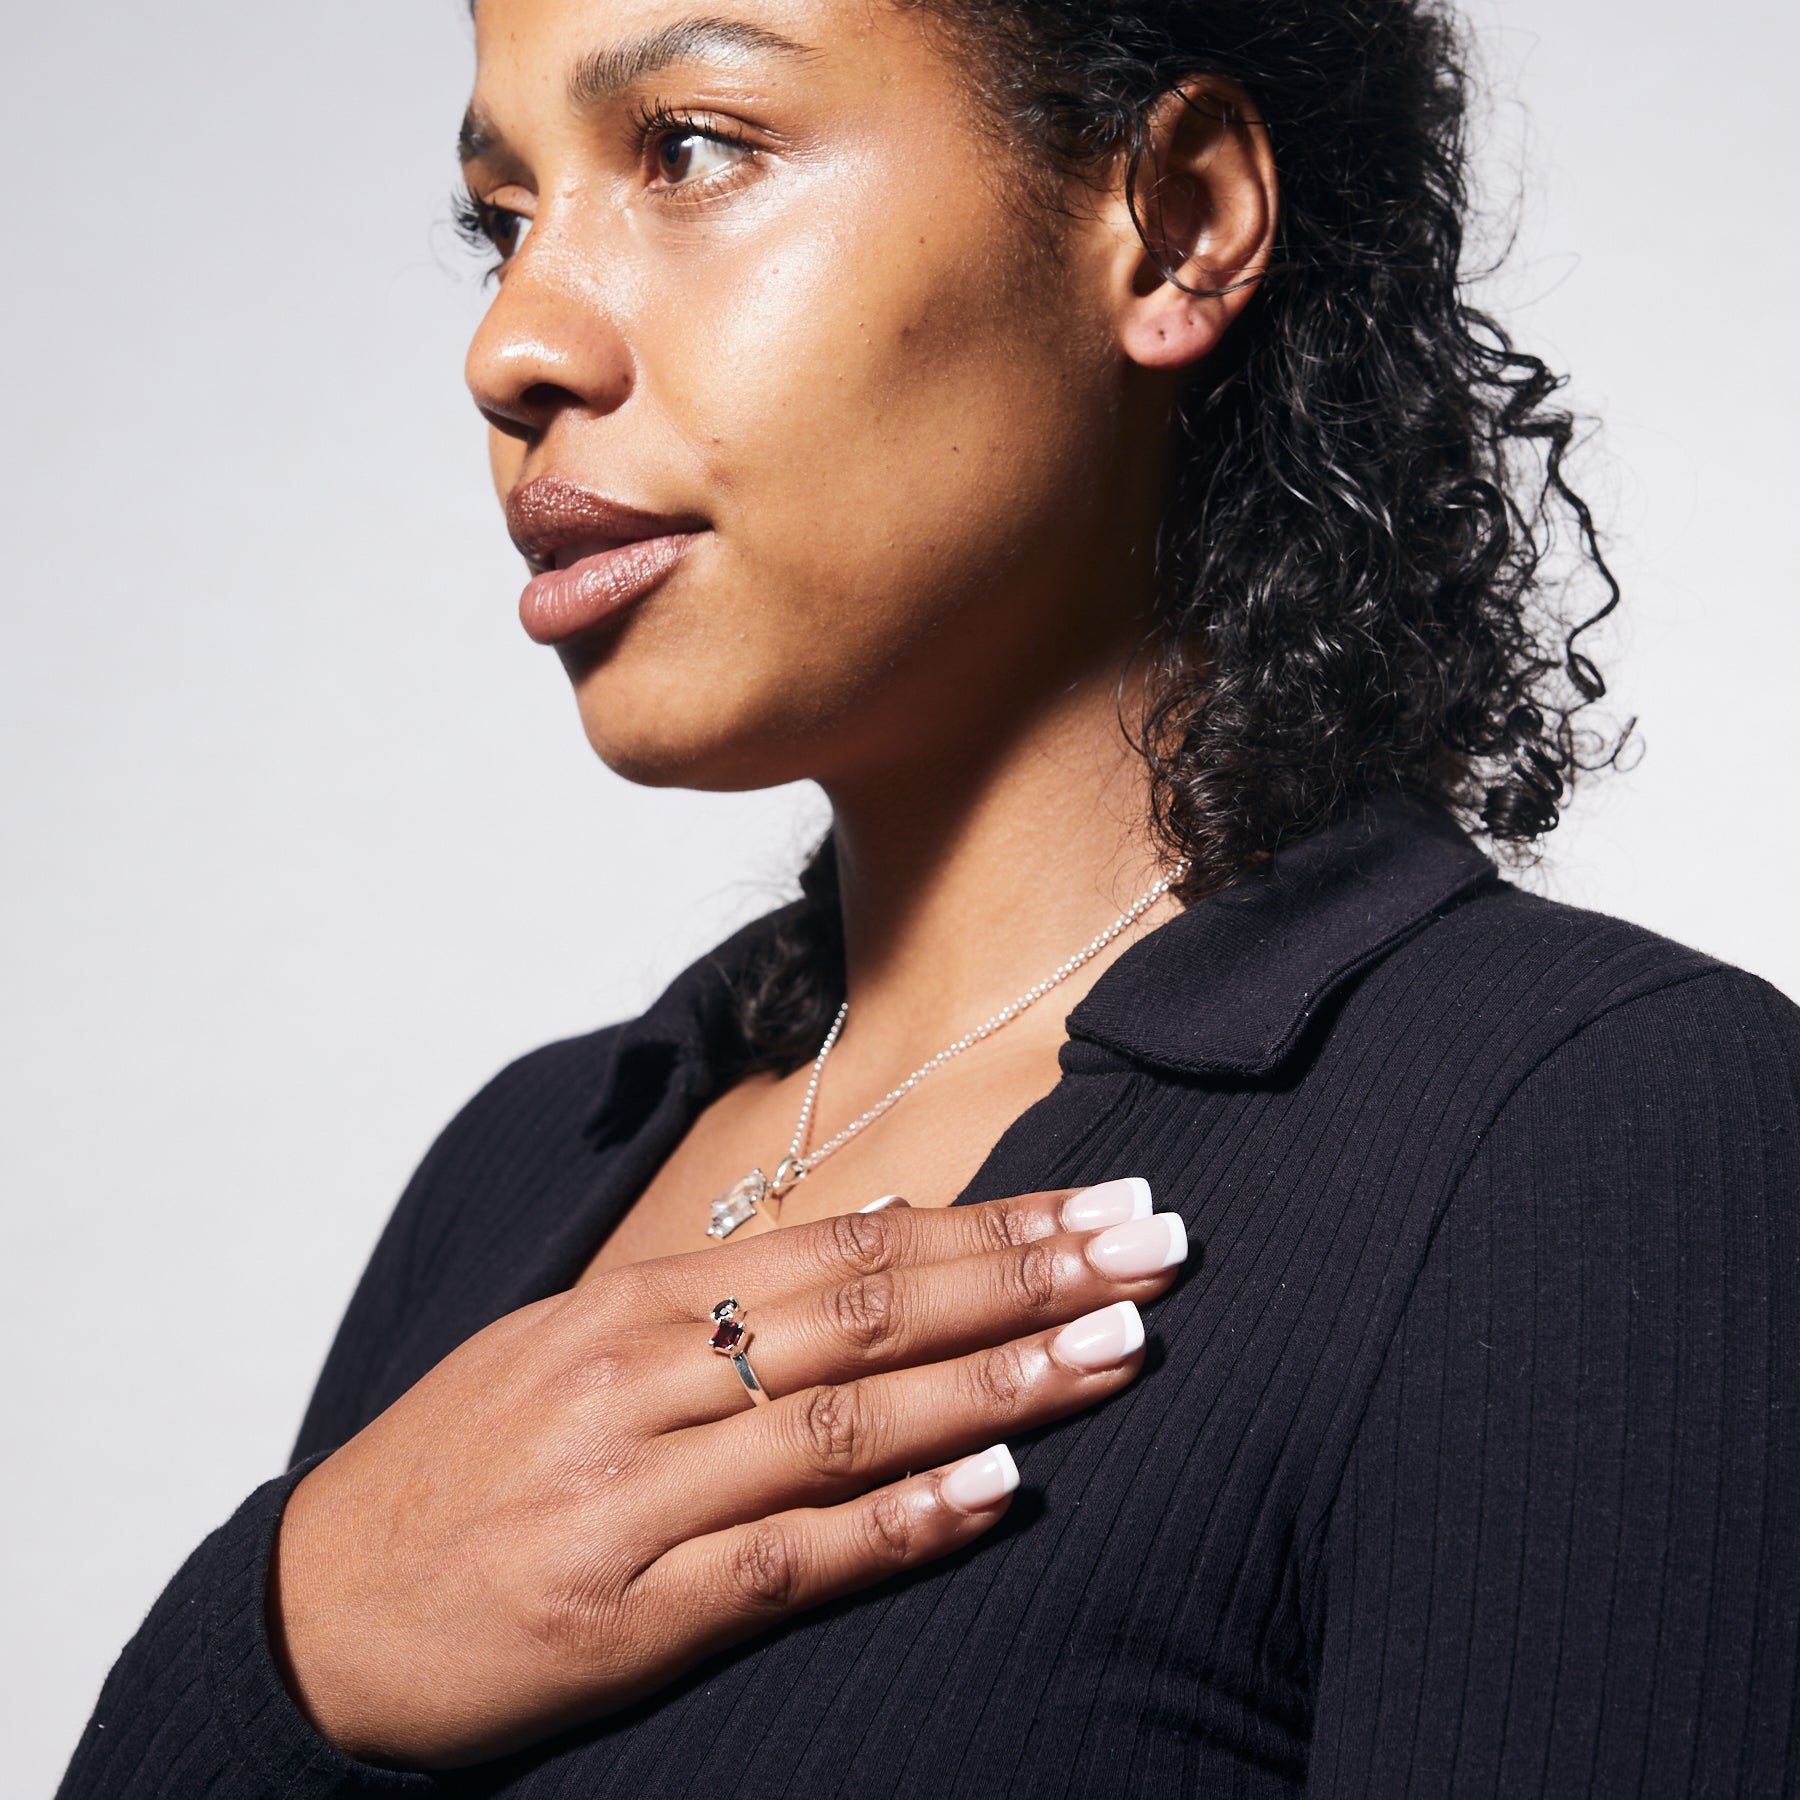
x: 1195, y: 224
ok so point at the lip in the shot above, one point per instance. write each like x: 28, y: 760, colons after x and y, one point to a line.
x: 592, y: 556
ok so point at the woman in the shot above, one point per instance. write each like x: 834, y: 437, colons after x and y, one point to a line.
x: 1057, y: 431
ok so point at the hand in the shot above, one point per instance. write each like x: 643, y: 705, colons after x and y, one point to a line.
x: 581, y: 1501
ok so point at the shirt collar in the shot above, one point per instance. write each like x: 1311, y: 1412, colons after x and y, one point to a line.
x: 1227, y: 987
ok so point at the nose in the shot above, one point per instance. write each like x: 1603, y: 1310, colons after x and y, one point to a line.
x: 547, y: 346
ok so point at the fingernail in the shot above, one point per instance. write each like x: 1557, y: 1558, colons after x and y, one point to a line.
x: 884, y: 1203
x: 1108, y: 1203
x: 1100, y: 1340
x: 980, y: 1481
x: 1140, y: 1247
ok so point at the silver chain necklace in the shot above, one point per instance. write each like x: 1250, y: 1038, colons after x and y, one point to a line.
x: 739, y: 1202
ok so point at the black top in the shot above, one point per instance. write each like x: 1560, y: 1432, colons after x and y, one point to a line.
x: 1468, y: 1457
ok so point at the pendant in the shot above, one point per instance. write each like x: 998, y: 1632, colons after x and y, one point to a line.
x: 737, y: 1205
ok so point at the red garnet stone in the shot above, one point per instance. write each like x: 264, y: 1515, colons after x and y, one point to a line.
x: 726, y: 1335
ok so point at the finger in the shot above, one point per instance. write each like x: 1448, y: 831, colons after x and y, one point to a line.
x: 912, y: 1315
x: 841, y: 1248
x: 834, y: 1440
x: 728, y: 1585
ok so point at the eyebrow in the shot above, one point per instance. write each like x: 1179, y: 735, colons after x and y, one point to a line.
x: 602, y: 75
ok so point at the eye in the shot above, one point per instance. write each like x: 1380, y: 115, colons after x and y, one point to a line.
x: 685, y: 155
x: 506, y: 230
x: 485, y: 227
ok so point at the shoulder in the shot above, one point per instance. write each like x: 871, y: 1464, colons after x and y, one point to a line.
x: 1670, y: 1086
x: 553, y: 1086
x: 1643, y: 1140
x: 499, y: 1171
x: 1574, y: 1095
x: 1662, y: 1083
x: 1623, y: 1206
x: 1546, y: 1069
x: 1525, y: 990
x: 532, y: 1113
x: 1520, y: 934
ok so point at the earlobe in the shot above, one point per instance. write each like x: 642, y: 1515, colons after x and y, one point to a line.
x: 1202, y: 200
x: 1171, y: 329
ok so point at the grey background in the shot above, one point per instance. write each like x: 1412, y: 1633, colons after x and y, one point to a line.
x: 301, y: 837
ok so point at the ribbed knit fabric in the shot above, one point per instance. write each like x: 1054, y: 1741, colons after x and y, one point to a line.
x: 1467, y: 1461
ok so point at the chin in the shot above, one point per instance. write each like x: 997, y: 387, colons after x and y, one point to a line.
x: 696, y: 748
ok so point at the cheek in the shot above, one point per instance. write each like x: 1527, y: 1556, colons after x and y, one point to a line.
x: 881, y: 404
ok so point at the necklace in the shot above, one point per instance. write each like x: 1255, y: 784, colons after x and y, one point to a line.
x: 739, y: 1202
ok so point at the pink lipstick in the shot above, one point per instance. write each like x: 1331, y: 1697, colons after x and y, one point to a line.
x: 593, y: 556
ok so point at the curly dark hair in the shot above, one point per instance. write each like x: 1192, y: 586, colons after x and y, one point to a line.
x: 1358, y: 576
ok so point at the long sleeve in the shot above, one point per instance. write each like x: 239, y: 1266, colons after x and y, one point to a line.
x: 195, y: 1710
x: 1564, y: 1558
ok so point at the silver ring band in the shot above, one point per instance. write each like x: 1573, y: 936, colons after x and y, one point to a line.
x: 747, y: 1376
x: 731, y: 1337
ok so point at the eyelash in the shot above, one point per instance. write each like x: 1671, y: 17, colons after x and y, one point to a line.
x: 476, y: 221
x: 652, y: 120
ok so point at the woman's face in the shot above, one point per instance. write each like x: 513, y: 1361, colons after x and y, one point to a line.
x: 774, y: 287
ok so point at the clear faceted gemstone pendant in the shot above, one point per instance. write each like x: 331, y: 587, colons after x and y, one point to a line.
x: 737, y: 1205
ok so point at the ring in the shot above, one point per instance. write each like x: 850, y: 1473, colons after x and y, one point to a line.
x: 731, y: 1337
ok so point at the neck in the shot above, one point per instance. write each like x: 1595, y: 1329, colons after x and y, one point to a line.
x: 970, y: 875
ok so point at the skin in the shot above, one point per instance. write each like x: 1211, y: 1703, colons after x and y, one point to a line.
x: 926, y: 424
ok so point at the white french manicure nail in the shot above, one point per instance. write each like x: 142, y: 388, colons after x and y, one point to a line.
x: 1141, y: 1247
x: 1108, y: 1203
x: 1100, y: 1340
x: 980, y: 1481
x: 885, y: 1202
